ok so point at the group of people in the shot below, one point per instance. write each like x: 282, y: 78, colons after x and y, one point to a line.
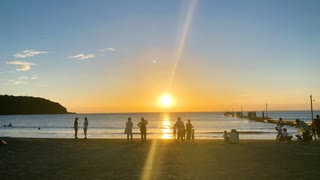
x: 232, y: 137
x: 85, y: 127
x: 185, y: 133
x: 303, y: 130
x: 282, y: 133
x: 9, y: 125
x: 143, y: 129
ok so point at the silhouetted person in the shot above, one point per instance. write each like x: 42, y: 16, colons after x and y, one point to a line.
x: 233, y: 136
x: 314, y: 129
x: 192, y: 135
x: 225, y: 137
x: 317, y: 125
x: 128, y: 130
x: 75, y: 127
x: 189, y: 127
x: 143, y: 129
x: 180, y: 127
x: 85, y: 127
x: 286, y: 135
x: 174, y: 132
x: 279, y: 130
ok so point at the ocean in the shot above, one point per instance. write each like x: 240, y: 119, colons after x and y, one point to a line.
x: 207, y: 125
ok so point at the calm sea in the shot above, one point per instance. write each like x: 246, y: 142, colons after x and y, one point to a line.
x: 208, y: 125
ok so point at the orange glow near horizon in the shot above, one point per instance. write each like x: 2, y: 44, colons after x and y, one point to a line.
x: 185, y: 99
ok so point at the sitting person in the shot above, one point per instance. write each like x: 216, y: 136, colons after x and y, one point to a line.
x: 225, y: 137
x: 286, y: 136
x: 233, y: 136
x: 303, y: 130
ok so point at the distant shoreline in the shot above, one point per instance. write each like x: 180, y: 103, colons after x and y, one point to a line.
x: 39, y: 114
x: 89, y: 113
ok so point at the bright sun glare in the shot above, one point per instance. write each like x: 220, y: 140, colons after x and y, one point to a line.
x: 166, y: 100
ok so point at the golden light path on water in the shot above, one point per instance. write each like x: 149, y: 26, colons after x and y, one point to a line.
x: 149, y: 164
x: 166, y: 129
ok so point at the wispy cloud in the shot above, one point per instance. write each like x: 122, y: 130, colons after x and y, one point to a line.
x: 28, y: 53
x: 21, y: 80
x: 34, y: 78
x: 22, y: 65
x: 107, y: 49
x: 83, y: 56
x: 14, y: 82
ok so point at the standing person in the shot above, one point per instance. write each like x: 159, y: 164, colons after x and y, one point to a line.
x: 313, y: 129
x: 143, y: 129
x: 180, y: 127
x: 85, y: 127
x: 192, y: 135
x: 317, y: 125
x: 75, y: 127
x: 279, y: 130
x: 189, y: 127
x: 174, y: 132
x: 128, y: 130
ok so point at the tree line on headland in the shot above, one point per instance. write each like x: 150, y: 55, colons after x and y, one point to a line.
x: 11, y: 105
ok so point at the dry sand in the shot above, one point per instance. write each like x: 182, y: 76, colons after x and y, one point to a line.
x: 157, y: 159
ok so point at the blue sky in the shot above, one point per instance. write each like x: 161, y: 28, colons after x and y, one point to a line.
x: 237, y: 53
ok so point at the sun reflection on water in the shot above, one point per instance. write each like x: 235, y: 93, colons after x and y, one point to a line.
x: 166, y: 129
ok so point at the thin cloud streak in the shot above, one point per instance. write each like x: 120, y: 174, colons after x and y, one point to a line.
x: 21, y: 80
x: 22, y: 65
x: 28, y: 53
x: 28, y: 78
x: 14, y: 82
x: 83, y: 56
x: 107, y: 49
x: 34, y: 78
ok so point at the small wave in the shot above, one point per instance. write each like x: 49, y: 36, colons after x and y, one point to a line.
x: 240, y: 132
x: 46, y: 133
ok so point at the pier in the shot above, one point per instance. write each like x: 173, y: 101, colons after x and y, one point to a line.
x: 264, y: 119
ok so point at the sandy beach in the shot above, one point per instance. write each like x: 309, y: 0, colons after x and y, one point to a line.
x: 156, y: 159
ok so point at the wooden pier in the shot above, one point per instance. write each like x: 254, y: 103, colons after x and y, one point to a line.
x: 252, y: 116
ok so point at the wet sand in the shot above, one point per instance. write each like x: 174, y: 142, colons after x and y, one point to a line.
x: 24, y: 158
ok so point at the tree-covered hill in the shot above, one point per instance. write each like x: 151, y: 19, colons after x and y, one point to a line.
x: 29, y: 105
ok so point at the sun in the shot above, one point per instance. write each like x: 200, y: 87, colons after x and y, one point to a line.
x: 166, y: 100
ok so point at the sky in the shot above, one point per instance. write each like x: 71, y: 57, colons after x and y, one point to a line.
x: 103, y: 56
